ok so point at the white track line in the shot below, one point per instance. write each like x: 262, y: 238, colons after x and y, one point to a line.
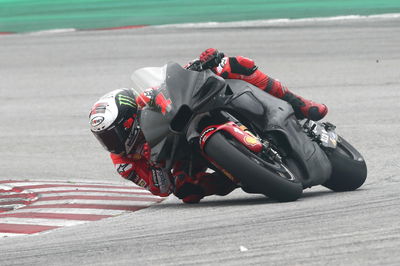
x: 280, y: 21
x: 10, y: 235
x: 16, y: 183
x: 25, y: 192
x: 53, y: 31
x: 238, y: 24
x: 5, y: 186
x: 13, y: 199
x: 40, y: 221
x: 38, y: 190
x: 101, y: 202
x: 105, y: 194
x: 51, y: 183
x: 13, y: 206
x: 72, y: 211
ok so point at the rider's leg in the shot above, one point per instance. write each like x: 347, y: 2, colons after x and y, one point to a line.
x: 303, y: 108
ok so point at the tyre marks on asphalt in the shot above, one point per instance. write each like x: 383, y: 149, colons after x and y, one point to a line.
x: 30, y: 207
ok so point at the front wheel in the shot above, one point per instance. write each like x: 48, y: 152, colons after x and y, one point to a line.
x: 349, y: 169
x: 255, y: 174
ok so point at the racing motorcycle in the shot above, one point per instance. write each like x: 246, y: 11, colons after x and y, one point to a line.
x: 249, y: 136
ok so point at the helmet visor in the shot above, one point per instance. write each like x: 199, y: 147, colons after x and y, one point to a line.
x: 119, y: 139
x: 112, y: 139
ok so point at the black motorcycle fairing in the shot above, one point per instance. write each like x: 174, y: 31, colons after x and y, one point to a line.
x: 190, y: 88
x: 247, y: 108
x: 185, y: 90
x: 279, y: 119
x: 155, y: 128
x: 238, y: 101
x: 206, y: 92
x: 313, y: 161
x: 154, y: 125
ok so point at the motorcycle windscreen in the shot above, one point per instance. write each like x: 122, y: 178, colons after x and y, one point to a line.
x: 177, y: 85
x: 148, y: 77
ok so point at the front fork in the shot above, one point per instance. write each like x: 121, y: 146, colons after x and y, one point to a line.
x: 238, y: 131
x: 261, y: 148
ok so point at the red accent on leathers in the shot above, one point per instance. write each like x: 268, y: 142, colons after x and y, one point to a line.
x: 137, y: 168
x: 191, y: 189
x: 257, y: 78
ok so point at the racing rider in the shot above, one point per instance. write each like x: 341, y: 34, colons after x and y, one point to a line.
x: 113, y: 122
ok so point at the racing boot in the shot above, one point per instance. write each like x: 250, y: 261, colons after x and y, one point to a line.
x: 303, y: 108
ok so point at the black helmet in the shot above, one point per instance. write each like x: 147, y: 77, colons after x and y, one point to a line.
x: 114, y: 123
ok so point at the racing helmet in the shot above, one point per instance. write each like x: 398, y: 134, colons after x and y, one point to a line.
x: 113, y: 121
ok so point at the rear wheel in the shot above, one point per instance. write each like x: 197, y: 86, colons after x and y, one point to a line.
x: 349, y: 169
x: 257, y: 175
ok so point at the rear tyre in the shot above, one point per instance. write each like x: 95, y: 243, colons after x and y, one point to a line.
x: 349, y: 169
x: 255, y: 174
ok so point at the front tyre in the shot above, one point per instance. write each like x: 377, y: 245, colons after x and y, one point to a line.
x: 255, y: 174
x: 349, y: 169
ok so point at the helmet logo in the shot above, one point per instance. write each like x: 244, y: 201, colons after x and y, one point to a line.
x: 97, y: 120
x: 99, y: 108
x: 126, y: 100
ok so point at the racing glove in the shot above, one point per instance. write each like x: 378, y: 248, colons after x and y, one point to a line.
x: 211, y: 58
x: 186, y: 188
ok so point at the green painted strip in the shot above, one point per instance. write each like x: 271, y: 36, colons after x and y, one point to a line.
x: 33, y: 15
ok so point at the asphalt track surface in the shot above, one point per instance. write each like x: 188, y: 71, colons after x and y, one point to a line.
x: 48, y: 83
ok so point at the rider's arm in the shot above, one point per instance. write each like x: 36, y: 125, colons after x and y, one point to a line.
x: 243, y: 68
x: 239, y: 67
x: 137, y: 169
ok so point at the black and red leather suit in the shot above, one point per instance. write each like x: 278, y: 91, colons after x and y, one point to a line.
x: 138, y: 168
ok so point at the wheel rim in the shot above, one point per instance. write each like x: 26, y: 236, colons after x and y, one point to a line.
x: 278, y: 168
